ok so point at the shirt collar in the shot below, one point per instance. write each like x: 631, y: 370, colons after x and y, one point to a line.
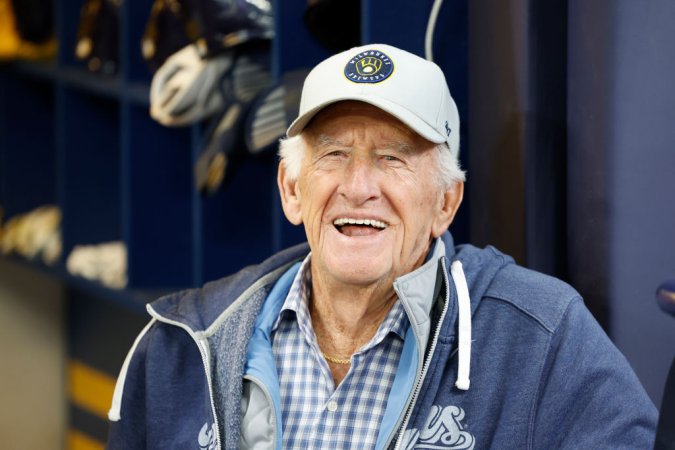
x: 298, y: 295
x: 297, y: 301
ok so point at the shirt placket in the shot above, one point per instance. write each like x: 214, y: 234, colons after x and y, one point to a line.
x: 330, y: 419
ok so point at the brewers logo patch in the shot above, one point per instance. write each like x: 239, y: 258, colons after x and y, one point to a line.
x: 371, y: 66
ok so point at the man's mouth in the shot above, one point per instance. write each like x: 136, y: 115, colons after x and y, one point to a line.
x: 358, y: 227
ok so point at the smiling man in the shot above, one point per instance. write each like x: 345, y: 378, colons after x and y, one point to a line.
x: 372, y: 200
x: 379, y: 332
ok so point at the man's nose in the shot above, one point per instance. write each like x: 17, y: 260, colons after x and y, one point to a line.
x: 360, y: 182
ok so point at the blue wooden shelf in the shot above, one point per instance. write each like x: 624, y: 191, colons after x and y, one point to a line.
x: 133, y: 300
x: 86, y: 142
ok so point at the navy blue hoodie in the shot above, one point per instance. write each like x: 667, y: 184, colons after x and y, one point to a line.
x: 543, y: 373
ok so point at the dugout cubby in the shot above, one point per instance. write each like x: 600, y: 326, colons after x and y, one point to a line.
x: 85, y: 141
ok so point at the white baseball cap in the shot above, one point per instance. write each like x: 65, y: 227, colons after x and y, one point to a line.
x: 406, y: 86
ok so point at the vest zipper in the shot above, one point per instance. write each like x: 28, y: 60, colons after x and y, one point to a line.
x: 205, y: 362
x: 427, y: 362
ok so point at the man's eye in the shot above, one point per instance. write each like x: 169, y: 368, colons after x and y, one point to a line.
x: 390, y: 158
x: 333, y: 155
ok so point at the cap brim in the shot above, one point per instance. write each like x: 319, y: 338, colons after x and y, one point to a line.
x: 408, y: 118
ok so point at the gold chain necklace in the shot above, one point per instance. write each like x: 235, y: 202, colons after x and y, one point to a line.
x: 337, y: 360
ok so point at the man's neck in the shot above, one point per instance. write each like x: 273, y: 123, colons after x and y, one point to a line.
x: 346, y: 318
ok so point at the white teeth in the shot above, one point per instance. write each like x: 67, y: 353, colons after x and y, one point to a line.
x: 368, y: 222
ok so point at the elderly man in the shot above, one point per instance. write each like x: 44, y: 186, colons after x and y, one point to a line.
x: 379, y: 333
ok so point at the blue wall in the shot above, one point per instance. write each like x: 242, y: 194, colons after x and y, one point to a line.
x: 621, y: 119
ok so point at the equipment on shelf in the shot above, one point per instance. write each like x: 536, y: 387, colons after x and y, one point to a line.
x: 26, y: 30
x: 216, y: 77
x: 36, y: 234
x: 224, y: 24
x: 209, y: 170
x: 97, y: 35
x: 273, y: 111
x: 105, y: 263
x: 250, y: 74
x: 187, y: 88
x: 169, y: 28
x: 215, y: 26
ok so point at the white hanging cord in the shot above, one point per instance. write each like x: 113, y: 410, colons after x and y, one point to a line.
x: 431, y: 26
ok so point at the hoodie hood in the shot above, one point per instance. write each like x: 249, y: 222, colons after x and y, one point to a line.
x: 203, y: 309
x: 480, y: 266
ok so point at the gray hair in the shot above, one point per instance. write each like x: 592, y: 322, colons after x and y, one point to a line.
x: 292, y: 150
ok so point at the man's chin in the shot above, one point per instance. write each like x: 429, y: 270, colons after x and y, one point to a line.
x: 357, y: 270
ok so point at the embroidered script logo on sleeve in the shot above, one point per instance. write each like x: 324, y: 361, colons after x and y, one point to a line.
x: 207, y: 437
x: 442, y: 430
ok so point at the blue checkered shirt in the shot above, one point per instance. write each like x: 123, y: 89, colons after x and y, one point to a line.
x: 314, y: 413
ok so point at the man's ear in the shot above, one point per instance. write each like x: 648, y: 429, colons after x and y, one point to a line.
x: 451, y: 200
x: 290, y: 195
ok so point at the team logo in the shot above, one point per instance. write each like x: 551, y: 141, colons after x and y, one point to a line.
x: 207, y: 437
x: 371, y: 66
x: 443, y: 430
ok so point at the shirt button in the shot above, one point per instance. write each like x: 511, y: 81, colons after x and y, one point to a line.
x: 332, y: 406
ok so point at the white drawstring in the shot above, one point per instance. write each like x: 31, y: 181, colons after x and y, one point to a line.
x: 464, y: 366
